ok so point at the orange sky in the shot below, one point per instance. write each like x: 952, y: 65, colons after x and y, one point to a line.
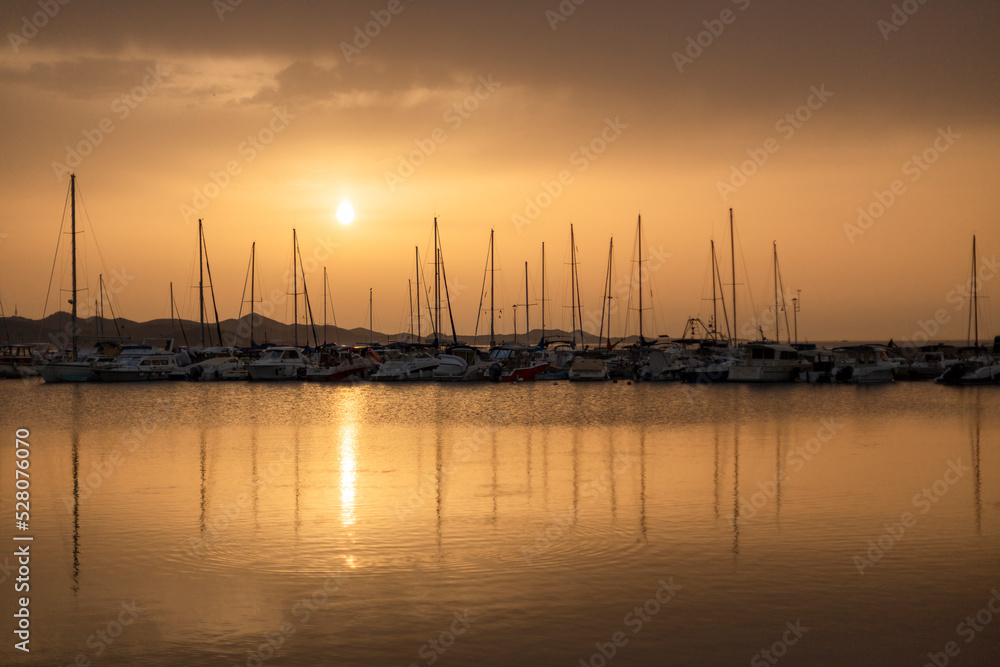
x: 302, y: 114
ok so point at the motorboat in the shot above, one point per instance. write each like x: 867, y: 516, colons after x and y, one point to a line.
x: 863, y: 364
x: 277, y: 363
x: 17, y: 361
x: 63, y: 367
x: 768, y: 362
x: 461, y: 364
x: 139, y: 363
x: 588, y: 369
x: 337, y: 365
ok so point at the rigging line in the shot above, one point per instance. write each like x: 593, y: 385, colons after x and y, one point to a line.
x: 211, y: 290
x: 243, y: 296
x: 93, y: 234
x: 55, y: 259
x: 482, y: 293
x: 746, y: 278
x: 333, y: 309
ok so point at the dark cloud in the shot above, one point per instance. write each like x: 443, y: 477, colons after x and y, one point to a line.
x: 82, y: 77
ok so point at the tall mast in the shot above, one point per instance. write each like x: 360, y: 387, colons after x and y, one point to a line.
x: 732, y: 247
x: 417, y: 264
x: 101, y: 311
x: 572, y: 283
x: 201, y: 283
x: 295, y: 289
x: 975, y: 292
x: 72, y: 187
x: 324, y: 308
x: 543, y: 292
x: 777, y: 327
x: 253, y: 273
x: 171, y: 311
x: 371, y: 319
x: 606, y: 300
x: 437, y: 287
x: 715, y: 305
x: 642, y: 338
x: 493, y: 338
x: 527, y: 307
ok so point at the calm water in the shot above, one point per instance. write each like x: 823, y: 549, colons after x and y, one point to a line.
x: 290, y: 524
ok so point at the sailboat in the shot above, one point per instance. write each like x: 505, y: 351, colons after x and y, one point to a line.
x: 75, y: 364
x: 979, y: 367
x: 764, y: 361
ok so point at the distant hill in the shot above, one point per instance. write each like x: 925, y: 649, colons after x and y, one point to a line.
x: 54, y: 330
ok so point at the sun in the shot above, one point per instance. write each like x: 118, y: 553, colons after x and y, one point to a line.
x: 345, y: 213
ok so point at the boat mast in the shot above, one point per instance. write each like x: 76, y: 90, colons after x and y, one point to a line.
x: 371, y: 319
x: 732, y: 249
x: 493, y: 338
x: 100, y: 327
x: 171, y: 311
x: 437, y: 287
x: 201, y: 284
x: 543, y: 293
x: 295, y: 290
x: 777, y: 327
x: 642, y: 338
x: 572, y: 283
x: 417, y: 265
x: 527, y: 307
x: 72, y: 187
x: 253, y: 273
x: 447, y: 296
x: 715, y: 305
x: 324, y: 308
x: 606, y: 301
x: 975, y: 293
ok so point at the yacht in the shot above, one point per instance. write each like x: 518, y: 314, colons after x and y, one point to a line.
x: 17, y: 361
x: 139, y: 363
x: 768, y: 362
x: 277, y: 363
x: 863, y: 364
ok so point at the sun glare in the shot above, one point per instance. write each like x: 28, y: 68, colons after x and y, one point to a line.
x: 345, y: 213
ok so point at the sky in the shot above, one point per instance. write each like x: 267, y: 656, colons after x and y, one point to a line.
x: 860, y: 137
